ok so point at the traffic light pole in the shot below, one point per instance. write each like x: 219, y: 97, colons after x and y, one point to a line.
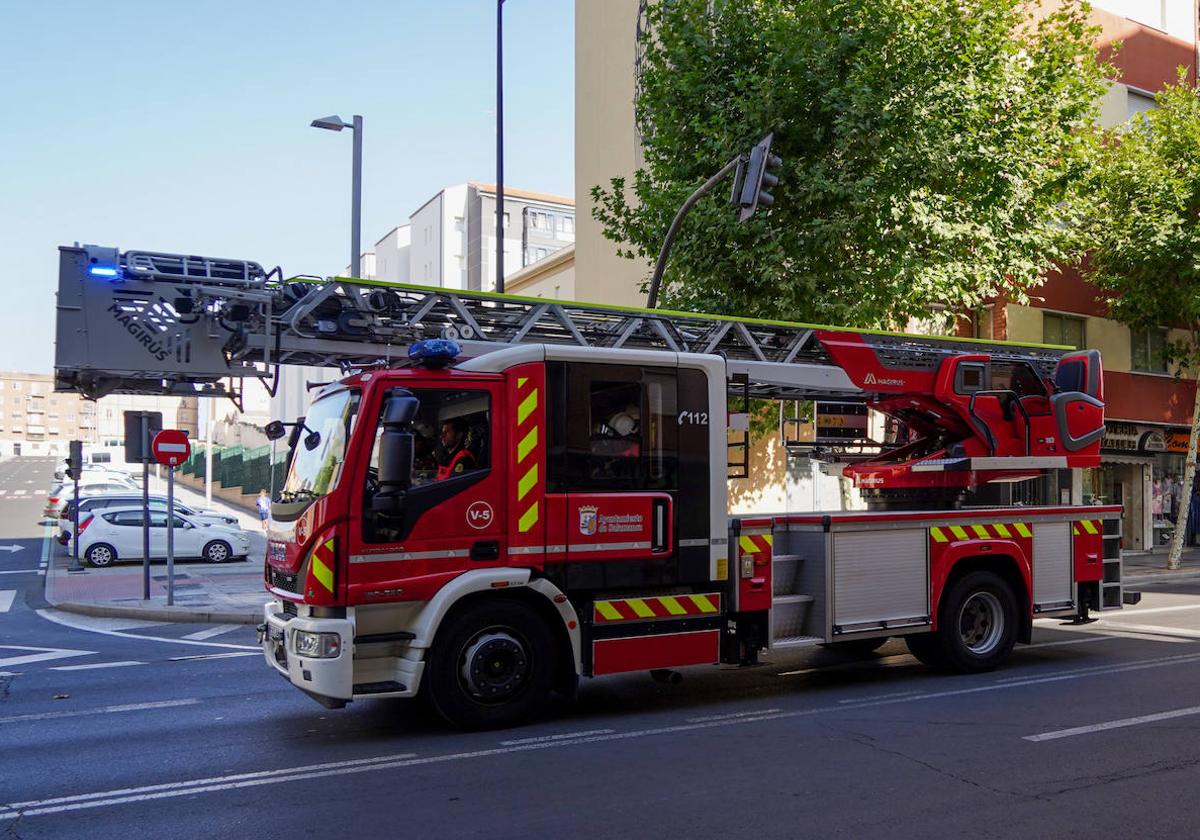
x: 673, y: 230
x: 76, y: 566
x: 145, y: 507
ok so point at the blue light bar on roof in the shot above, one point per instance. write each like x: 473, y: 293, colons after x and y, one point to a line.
x: 434, y: 352
x: 103, y: 271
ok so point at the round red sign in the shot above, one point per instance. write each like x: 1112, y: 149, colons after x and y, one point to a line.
x: 171, y: 447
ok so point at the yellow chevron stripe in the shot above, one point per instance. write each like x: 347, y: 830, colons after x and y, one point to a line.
x: 703, y: 603
x: 980, y: 532
x: 672, y: 605
x: 937, y: 535
x: 1088, y: 526
x: 521, y: 380
x: 1023, y: 529
x: 528, y: 519
x: 527, y: 444
x: 640, y: 607
x: 608, y: 611
x: 747, y: 545
x: 1002, y: 530
x: 959, y: 532
x: 770, y: 538
x: 527, y: 482
x: 527, y: 406
x: 322, y: 573
x: 329, y: 544
x: 1075, y: 530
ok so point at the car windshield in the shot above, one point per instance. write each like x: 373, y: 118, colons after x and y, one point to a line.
x: 316, y: 471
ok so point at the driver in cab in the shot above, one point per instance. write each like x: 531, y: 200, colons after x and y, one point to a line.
x: 453, y: 455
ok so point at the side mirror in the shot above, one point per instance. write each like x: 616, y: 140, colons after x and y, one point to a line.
x: 294, y: 436
x: 395, y: 451
x: 275, y: 430
x: 312, y: 440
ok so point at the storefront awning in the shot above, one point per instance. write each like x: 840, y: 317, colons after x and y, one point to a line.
x: 1113, y: 458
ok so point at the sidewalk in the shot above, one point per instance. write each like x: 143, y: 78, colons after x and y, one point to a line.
x: 227, y: 593
x: 1152, y: 565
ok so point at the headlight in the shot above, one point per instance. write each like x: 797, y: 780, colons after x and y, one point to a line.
x: 318, y: 645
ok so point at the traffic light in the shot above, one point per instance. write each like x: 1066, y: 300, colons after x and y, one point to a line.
x: 759, y: 178
x: 75, y: 460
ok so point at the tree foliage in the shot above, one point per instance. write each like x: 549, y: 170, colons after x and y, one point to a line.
x: 1141, y: 219
x: 930, y: 148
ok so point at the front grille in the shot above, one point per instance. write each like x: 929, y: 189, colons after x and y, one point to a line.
x: 287, y: 581
x: 290, y: 608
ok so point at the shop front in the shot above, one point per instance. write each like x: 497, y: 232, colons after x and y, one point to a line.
x: 1141, y: 468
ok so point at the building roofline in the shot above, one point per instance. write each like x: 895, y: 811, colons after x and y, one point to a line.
x: 517, y: 192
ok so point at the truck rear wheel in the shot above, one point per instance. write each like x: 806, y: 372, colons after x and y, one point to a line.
x: 492, y: 665
x: 977, y: 623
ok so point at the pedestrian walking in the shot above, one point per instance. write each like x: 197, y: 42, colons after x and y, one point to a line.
x: 263, y: 503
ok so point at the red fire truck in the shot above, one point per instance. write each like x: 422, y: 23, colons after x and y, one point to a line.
x: 537, y: 491
x: 590, y: 533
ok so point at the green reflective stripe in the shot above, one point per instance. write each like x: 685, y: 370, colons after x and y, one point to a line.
x: 322, y: 573
x: 527, y: 406
x: 527, y: 444
x: 528, y: 519
x: 527, y: 482
x: 938, y: 536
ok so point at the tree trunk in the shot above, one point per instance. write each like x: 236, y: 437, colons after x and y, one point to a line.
x: 1185, y: 501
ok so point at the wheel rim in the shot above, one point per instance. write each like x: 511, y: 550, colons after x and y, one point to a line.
x: 981, y: 623
x: 217, y: 552
x: 100, y: 556
x: 495, y: 665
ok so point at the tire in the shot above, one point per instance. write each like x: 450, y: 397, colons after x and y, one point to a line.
x: 977, y: 623
x: 217, y: 551
x: 100, y: 555
x: 492, y: 665
x: 857, y: 647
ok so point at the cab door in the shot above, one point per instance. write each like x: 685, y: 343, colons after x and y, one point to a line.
x: 447, y: 525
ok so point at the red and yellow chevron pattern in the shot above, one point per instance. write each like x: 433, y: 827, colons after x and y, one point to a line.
x: 990, y: 531
x: 1087, y: 526
x: 755, y: 543
x: 666, y: 606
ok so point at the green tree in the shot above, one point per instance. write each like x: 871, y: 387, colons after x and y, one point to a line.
x: 930, y: 148
x: 1142, y: 225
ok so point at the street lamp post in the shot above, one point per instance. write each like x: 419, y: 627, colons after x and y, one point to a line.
x: 335, y: 123
x: 500, y: 146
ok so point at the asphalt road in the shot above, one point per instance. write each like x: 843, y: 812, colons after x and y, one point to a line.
x: 156, y: 731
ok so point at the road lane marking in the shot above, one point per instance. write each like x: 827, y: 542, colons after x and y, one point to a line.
x: 561, y: 736
x: 1148, y: 610
x: 39, y: 654
x: 6, y: 599
x: 172, y: 789
x: 730, y: 716
x: 1157, y: 630
x: 102, y: 710
x: 885, y: 696
x: 230, y: 655
x: 1113, y: 724
x: 57, y: 618
x: 208, y: 633
x: 19, y: 492
x: 103, y: 799
x: 19, y: 572
x: 94, y: 666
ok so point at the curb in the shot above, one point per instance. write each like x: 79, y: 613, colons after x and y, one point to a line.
x: 1159, y: 575
x: 180, y: 615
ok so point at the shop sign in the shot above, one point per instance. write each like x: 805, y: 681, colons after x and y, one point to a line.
x: 1177, y: 441
x: 1134, y: 437
x: 1154, y: 440
x: 1120, y: 437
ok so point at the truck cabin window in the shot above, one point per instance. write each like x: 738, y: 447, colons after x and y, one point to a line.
x: 315, y: 472
x: 451, y: 434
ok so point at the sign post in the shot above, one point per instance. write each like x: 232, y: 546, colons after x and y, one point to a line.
x: 171, y: 448
x: 75, y: 465
x: 140, y: 429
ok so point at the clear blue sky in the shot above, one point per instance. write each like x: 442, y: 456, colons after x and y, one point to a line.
x: 184, y: 127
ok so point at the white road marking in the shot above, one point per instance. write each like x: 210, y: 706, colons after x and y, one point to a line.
x: 6, y: 599
x: 208, y: 633
x: 1114, y: 724
x: 1156, y: 629
x: 102, y: 710
x: 63, y: 619
x: 2, y: 492
x: 217, y: 655
x: 1148, y: 610
x: 18, y: 571
x: 19, y: 492
x: 95, y: 666
x: 90, y: 622
x: 1067, y: 642
x: 103, y: 799
x: 706, y: 718
x: 40, y: 654
x: 559, y: 737
x: 885, y: 696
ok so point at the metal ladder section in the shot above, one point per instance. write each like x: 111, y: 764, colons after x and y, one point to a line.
x: 148, y: 322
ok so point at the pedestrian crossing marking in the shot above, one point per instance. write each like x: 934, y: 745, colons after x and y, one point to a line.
x: 37, y: 654
x: 209, y: 632
x: 6, y: 599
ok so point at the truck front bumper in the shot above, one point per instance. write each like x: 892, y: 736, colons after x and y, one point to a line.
x: 374, y: 671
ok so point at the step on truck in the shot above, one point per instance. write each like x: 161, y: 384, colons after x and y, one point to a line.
x: 505, y: 494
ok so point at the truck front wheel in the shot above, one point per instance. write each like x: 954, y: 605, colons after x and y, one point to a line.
x: 492, y: 665
x: 977, y: 624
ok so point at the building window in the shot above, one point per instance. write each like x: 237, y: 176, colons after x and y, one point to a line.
x: 458, y: 223
x: 1063, y: 329
x: 16, y: 386
x: 568, y: 224
x: 1149, y: 350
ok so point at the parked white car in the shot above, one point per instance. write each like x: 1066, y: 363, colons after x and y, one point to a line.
x: 115, y: 534
x: 90, y: 484
x: 92, y: 504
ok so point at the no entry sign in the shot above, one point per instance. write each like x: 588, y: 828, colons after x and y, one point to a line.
x: 171, y: 447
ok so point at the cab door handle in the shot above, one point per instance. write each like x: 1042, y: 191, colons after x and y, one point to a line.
x: 486, y: 551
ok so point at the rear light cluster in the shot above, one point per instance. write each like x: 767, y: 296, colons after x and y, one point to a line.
x: 83, y: 525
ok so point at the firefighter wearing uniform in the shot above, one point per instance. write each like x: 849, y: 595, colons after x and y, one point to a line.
x: 453, y: 456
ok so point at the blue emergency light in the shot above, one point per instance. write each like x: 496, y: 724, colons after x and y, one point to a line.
x: 434, y: 352
x: 102, y: 271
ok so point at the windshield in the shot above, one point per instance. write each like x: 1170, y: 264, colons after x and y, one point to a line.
x: 315, y: 471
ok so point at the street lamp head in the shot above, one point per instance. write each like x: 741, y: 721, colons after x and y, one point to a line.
x: 331, y: 123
